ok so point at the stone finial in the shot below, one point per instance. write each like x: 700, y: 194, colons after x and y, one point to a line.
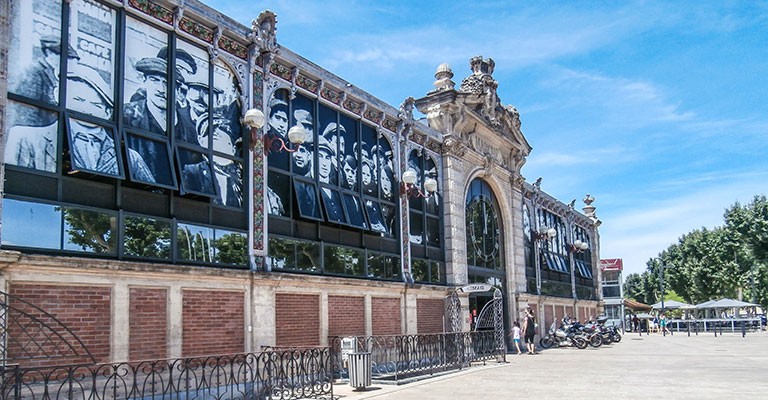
x: 443, y: 77
x: 589, y: 209
x: 264, y: 32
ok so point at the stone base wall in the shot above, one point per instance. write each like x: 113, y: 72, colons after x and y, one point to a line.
x: 129, y: 311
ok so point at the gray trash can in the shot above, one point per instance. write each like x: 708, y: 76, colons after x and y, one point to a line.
x: 359, y: 370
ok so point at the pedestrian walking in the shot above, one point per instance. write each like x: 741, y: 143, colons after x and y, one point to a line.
x: 515, y: 333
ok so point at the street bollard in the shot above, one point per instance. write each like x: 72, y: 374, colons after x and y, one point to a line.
x: 714, y: 329
x: 689, y: 329
x: 743, y: 329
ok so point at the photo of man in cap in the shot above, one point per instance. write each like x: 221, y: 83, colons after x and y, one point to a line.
x: 150, y: 113
x: 331, y: 198
x: 278, y: 128
x: 33, y: 147
x: 91, y: 147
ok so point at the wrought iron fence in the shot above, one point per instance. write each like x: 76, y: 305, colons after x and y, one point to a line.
x: 404, y: 356
x: 288, y: 374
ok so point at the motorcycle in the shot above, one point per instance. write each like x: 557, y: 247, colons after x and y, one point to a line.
x: 566, y: 335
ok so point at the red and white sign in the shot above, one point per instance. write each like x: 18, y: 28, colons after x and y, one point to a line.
x: 611, y: 264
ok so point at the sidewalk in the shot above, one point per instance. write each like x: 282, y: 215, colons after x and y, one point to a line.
x: 639, y: 367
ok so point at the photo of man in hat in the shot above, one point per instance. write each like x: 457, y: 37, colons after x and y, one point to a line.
x: 91, y: 147
x: 150, y: 113
x: 33, y: 147
x: 278, y: 128
x: 331, y: 198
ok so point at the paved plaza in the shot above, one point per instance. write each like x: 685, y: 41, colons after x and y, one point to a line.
x: 639, y: 367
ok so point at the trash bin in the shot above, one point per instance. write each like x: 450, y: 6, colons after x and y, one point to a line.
x: 359, y: 370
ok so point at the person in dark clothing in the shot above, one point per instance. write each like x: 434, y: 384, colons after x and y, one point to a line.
x: 529, y: 330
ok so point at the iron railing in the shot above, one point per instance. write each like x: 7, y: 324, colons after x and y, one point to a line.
x: 399, y: 357
x: 288, y: 374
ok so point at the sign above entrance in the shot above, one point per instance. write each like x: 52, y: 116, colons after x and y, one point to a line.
x: 476, y: 287
x: 611, y: 264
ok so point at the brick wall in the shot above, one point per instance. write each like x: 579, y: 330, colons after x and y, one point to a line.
x: 386, y: 317
x: 429, y: 313
x: 148, y: 324
x: 85, y: 310
x: 569, y: 311
x: 213, y: 322
x: 297, y: 319
x: 346, y: 316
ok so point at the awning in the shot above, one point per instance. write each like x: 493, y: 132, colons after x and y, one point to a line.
x: 556, y: 262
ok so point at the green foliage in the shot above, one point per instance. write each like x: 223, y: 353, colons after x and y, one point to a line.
x: 729, y: 261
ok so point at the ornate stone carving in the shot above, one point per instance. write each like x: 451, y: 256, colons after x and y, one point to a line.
x: 306, y: 83
x: 453, y: 146
x: 264, y: 32
x: 405, y: 116
x: 150, y: 8
x: 373, y: 115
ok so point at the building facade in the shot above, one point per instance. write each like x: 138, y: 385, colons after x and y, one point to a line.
x: 146, y: 214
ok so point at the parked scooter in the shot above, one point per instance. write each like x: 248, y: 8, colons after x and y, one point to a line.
x: 565, y: 335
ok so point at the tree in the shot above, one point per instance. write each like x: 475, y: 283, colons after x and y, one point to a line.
x: 633, y: 287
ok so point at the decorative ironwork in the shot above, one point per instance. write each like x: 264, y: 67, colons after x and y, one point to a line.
x: 404, y: 356
x: 453, y: 311
x: 28, y: 332
x: 296, y: 373
x: 492, y: 317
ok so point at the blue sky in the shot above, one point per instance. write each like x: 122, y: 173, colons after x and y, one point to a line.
x: 657, y: 109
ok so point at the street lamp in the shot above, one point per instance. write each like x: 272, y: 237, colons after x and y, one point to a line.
x: 255, y: 120
x: 408, y: 186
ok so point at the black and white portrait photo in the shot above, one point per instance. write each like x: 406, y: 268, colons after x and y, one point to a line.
x: 278, y: 192
x: 325, y: 156
x: 373, y: 210
x: 34, y: 147
x: 388, y: 216
x: 228, y: 171
x: 196, y: 178
x: 146, y: 78
x: 156, y: 169
x: 277, y: 128
x: 92, y: 33
x: 307, y: 200
x: 355, y: 211
x: 302, y: 159
x: 387, y: 182
x: 334, y: 210
x: 92, y: 148
x: 192, y: 67
x: 227, y: 97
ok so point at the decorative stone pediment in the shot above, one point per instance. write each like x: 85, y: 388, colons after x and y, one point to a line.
x: 473, y: 117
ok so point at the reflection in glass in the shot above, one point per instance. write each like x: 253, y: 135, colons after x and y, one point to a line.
x: 90, y: 231
x: 230, y: 247
x: 33, y: 147
x: 147, y: 237
x: 31, y: 224
x: 307, y: 257
x: 293, y: 255
x: 420, y: 270
x: 343, y: 260
x: 92, y: 148
x: 433, y: 232
x: 384, y: 267
x: 416, y: 228
x: 434, y: 272
x: 388, y: 215
x: 194, y: 243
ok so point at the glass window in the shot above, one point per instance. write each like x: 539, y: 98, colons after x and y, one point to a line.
x: 230, y: 247
x: 90, y: 231
x: 278, y: 194
x: 147, y: 237
x: 343, y: 260
x: 483, y: 230
x: 384, y: 266
x: 194, y: 243
x: 28, y: 224
x: 92, y: 149
x: 30, y: 144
